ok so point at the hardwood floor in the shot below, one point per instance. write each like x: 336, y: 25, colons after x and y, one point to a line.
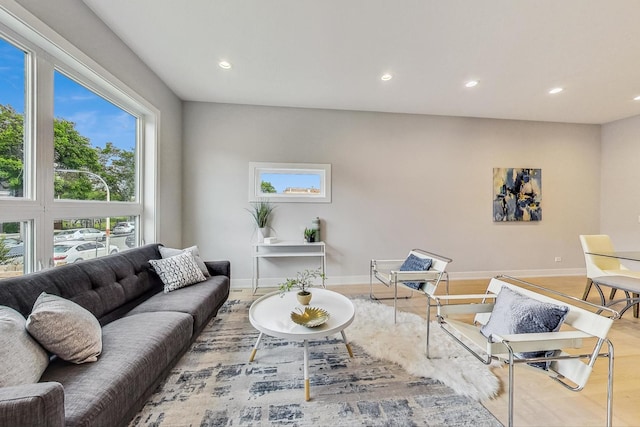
x: 540, y: 400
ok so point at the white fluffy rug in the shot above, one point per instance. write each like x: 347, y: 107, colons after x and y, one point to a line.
x: 404, y: 343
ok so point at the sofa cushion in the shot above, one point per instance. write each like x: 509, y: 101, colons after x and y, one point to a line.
x: 201, y: 300
x: 136, y: 351
x: 65, y: 329
x: 169, y: 252
x: 178, y: 271
x: 23, y: 359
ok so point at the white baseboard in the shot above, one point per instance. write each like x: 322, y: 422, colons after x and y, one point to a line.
x: 455, y: 275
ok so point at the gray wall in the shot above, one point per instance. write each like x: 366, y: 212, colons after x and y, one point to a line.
x: 399, y: 181
x: 74, y: 21
x: 620, y: 202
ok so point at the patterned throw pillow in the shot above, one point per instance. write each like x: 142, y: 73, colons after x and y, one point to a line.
x: 23, y: 360
x: 514, y: 313
x: 169, y: 252
x: 178, y: 271
x: 415, y: 263
x: 65, y: 329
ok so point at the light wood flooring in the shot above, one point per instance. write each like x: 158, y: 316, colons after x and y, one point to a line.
x: 541, y: 401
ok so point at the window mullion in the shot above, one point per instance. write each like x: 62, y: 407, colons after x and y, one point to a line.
x: 44, y: 154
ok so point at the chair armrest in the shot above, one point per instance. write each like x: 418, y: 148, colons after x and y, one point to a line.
x: 415, y: 275
x: 449, y: 309
x: 464, y: 296
x: 466, y: 308
x: 386, y: 264
x: 219, y: 268
x: 543, y: 341
x: 39, y: 404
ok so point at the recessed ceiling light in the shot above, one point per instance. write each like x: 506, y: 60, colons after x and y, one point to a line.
x: 386, y: 77
x: 224, y: 64
x: 556, y: 90
x: 471, y: 83
x: 637, y: 98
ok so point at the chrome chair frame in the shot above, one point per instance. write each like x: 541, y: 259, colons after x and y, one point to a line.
x: 388, y: 273
x: 584, y: 321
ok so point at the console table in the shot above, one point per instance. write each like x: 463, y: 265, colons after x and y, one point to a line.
x: 287, y: 249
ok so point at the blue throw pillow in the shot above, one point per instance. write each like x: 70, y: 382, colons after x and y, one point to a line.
x: 415, y: 263
x: 514, y: 313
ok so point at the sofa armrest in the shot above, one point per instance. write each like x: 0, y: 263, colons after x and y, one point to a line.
x: 219, y: 268
x: 39, y: 404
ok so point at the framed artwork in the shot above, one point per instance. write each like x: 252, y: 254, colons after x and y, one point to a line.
x: 517, y: 193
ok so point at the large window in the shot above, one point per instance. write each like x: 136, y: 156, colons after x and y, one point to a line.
x: 12, y: 110
x: 91, y: 134
x: 77, y: 154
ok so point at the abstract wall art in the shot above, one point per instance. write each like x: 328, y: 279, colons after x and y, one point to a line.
x: 517, y: 193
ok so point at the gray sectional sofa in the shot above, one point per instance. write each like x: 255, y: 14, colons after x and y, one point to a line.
x: 144, y: 333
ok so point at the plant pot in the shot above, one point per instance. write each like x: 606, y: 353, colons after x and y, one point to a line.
x: 262, y: 233
x: 304, y: 297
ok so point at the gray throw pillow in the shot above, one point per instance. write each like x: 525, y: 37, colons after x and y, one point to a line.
x: 23, y: 360
x: 514, y: 313
x: 66, y: 329
x: 169, y: 252
x: 178, y: 271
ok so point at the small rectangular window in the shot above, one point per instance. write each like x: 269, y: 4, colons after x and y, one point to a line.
x: 290, y: 182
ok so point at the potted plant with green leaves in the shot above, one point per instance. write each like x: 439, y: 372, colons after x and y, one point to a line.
x: 303, y: 281
x: 261, y: 211
x: 309, y: 235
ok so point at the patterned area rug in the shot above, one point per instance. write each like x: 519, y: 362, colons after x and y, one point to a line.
x: 215, y: 385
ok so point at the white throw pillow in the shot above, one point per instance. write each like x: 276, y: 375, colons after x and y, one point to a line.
x: 169, y: 252
x: 65, y: 329
x: 178, y: 271
x: 23, y: 360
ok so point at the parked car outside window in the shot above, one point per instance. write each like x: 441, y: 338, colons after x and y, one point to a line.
x: 130, y: 241
x: 10, y: 242
x: 74, y: 251
x: 124, y: 228
x: 80, y: 234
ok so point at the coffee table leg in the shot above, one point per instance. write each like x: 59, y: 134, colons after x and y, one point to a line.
x: 255, y: 348
x: 307, y: 394
x: 344, y: 338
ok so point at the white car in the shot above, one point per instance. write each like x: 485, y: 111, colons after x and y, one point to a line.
x: 10, y: 242
x: 74, y: 251
x: 80, y: 234
x: 124, y: 228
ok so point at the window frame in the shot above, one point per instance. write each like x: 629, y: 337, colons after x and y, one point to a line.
x: 48, y: 52
x: 322, y: 170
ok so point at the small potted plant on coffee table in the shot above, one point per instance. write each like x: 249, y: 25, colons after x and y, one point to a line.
x: 303, y: 281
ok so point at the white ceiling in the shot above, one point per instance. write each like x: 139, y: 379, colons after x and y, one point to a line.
x: 331, y: 54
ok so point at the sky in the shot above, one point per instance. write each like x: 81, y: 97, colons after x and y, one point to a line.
x: 283, y: 180
x: 94, y: 117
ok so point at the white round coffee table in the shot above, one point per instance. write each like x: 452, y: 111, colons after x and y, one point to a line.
x: 271, y: 315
